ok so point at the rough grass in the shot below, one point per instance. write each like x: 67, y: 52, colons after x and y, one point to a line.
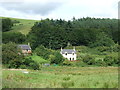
x: 62, y: 77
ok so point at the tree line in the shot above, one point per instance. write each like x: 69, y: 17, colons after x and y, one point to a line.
x: 88, y: 31
x: 55, y: 34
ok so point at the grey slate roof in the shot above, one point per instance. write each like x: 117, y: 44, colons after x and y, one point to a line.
x: 24, y: 47
x: 69, y: 51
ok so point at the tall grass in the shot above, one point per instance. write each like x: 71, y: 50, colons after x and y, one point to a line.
x: 62, y: 77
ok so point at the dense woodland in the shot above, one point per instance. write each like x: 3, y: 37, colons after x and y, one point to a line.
x: 54, y: 34
x: 58, y: 33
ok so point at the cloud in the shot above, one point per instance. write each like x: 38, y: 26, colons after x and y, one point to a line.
x: 65, y: 9
x: 43, y: 8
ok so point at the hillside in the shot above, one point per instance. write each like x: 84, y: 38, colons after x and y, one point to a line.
x: 24, y: 26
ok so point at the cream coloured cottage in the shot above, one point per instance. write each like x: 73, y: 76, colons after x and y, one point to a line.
x: 26, y: 49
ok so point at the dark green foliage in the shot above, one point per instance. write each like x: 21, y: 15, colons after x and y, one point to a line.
x: 10, y: 53
x: 26, y: 63
x: 48, y: 54
x: 89, y: 60
x: 48, y: 34
x: 15, y: 37
x: 102, y: 40
x: 110, y: 60
x: 43, y: 52
x: 58, y: 58
x: 12, y: 59
x: 88, y: 31
x: 6, y: 24
x: 66, y: 62
x: 30, y: 64
x: 100, y: 63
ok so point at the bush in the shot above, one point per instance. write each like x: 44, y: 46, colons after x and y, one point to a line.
x: 57, y: 58
x: 82, y: 64
x: 103, y: 48
x: 31, y: 64
x: 10, y: 53
x: 66, y: 62
x: 110, y: 60
x: 116, y: 48
x: 43, y: 52
x: 48, y: 54
x: 90, y: 60
x: 100, y: 62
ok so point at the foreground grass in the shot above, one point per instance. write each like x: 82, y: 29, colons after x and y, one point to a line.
x: 62, y: 77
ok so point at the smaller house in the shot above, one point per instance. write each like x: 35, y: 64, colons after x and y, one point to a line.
x: 69, y: 54
x: 26, y: 49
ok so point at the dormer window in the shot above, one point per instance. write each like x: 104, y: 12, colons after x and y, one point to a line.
x: 73, y: 53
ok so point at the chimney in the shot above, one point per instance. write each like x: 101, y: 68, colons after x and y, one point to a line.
x: 74, y: 48
x: 29, y: 44
x: 61, y: 48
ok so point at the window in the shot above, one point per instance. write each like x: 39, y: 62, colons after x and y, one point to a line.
x: 65, y: 53
x: 73, y: 53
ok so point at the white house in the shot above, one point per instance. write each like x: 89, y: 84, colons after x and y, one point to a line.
x: 69, y: 54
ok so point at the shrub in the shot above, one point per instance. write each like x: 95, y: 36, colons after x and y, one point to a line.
x: 31, y: 64
x: 66, y: 62
x: 57, y: 58
x: 103, y: 48
x: 10, y: 53
x: 23, y: 66
x: 82, y: 64
x: 43, y: 52
x: 109, y: 60
x: 116, y: 48
x: 90, y: 60
x: 48, y: 54
x: 100, y: 62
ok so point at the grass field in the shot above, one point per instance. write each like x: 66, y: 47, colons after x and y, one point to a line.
x: 24, y: 26
x: 62, y: 77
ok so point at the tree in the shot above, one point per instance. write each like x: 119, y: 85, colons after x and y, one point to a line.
x: 58, y: 58
x: 6, y: 24
x: 102, y: 40
x: 10, y: 53
x: 15, y: 37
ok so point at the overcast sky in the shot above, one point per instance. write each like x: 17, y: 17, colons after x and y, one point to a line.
x: 56, y: 9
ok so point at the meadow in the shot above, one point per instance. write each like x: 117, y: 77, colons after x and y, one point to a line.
x: 61, y: 77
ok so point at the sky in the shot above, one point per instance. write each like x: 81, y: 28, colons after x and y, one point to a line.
x: 56, y: 9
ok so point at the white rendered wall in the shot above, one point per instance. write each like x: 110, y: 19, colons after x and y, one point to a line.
x: 68, y: 56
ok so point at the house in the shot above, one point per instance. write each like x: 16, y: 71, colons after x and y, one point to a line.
x: 25, y: 49
x: 69, y: 54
